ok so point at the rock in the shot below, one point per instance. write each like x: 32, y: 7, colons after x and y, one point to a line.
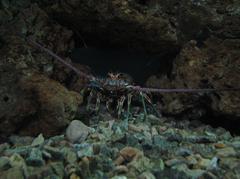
x: 56, y: 153
x: 38, y: 141
x: 58, y: 169
x: 70, y: 155
x: 17, y: 161
x: 58, y: 105
x: 84, y: 150
x: 35, y: 158
x: 128, y: 154
x: 4, y: 163
x: 20, y: 141
x: 202, y: 163
x: 184, y: 152
x: 226, y: 152
x: 26, y: 101
x: 147, y: 175
x: 120, y: 169
x: 201, y: 139
x: 229, y: 163
x: 194, y: 68
x: 77, y: 132
x: 219, y: 145
x: 3, y: 147
x: 172, y: 162
x: 195, y: 173
x: 40, y: 172
x: 130, y: 15
x: 236, y: 144
x: 12, y: 173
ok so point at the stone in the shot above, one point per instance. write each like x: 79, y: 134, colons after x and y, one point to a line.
x: 236, y: 144
x: 70, y: 155
x: 219, y: 145
x: 17, y: 161
x: 55, y: 152
x: 226, y: 152
x: 4, y: 163
x: 20, y: 140
x: 146, y: 175
x: 12, y: 173
x: 128, y: 154
x: 35, y: 158
x: 39, y: 140
x: 58, y: 169
x: 173, y: 162
x: 183, y: 152
x: 40, y: 172
x: 84, y: 150
x: 3, y: 147
x: 77, y: 132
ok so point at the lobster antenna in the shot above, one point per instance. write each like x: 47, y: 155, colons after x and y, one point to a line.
x: 189, y: 90
x: 136, y: 88
x: 90, y: 77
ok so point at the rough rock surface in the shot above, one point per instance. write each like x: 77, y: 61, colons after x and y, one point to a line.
x: 215, y: 65
x: 118, y: 23
x: 31, y: 102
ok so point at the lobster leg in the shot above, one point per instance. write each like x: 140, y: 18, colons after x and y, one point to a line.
x: 89, y: 100
x: 129, y: 105
x: 98, y: 102
x: 120, y: 105
x: 108, y: 104
x: 143, y: 103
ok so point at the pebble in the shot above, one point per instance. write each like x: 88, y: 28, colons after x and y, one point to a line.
x: 172, y: 162
x: 77, y: 132
x: 219, y: 145
x: 4, y: 163
x: 35, y: 158
x: 226, y: 152
x: 39, y: 140
x: 55, y: 152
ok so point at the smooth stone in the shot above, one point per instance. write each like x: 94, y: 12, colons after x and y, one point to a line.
x: 77, y: 132
x: 35, y: 158
x: 4, y: 163
x: 39, y: 140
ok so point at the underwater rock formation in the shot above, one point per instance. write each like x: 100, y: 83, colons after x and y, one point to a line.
x: 215, y: 65
x: 30, y: 101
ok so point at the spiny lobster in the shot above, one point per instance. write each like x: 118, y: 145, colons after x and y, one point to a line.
x: 110, y: 88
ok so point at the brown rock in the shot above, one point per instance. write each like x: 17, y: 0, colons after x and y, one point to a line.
x: 214, y: 65
x: 56, y: 106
